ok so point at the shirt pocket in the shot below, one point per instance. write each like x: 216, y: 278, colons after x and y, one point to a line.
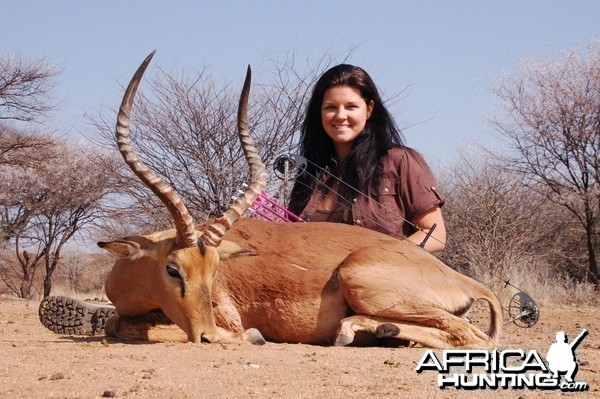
x: 389, y: 208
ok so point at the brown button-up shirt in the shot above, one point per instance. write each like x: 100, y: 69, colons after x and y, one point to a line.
x: 406, y: 189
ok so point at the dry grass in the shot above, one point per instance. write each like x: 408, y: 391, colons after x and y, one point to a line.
x: 95, y: 295
x: 544, y: 287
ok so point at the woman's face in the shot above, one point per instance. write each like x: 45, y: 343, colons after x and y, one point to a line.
x: 344, y: 114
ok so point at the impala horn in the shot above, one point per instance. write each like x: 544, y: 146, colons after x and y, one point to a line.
x: 258, y: 176
x: 184, y: 223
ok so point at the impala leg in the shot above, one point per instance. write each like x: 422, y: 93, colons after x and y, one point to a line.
x: 391, y: 294
x: 427, y: 336
x: 384, y: 328
x: 150, y: 327
x: 251, y: 335
x: 156, y: 327
x: 455, y: 331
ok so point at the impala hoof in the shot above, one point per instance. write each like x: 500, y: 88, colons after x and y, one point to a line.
x: 386, y: 330
x: 110, y: 326
x: 255, y: 337
x: 343, y: 340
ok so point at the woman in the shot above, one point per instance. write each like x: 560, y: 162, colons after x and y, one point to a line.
x: 359, y: 171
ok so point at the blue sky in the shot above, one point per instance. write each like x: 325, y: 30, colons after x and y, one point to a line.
x: 447, y: 52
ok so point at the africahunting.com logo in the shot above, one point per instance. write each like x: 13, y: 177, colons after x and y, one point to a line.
x: 509, y: 368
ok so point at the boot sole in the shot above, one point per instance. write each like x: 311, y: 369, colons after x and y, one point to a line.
x: 70, y: 316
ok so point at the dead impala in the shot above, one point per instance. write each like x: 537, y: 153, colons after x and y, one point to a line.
x: 314, y: 283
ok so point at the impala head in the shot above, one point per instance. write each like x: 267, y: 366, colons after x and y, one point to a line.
x: 173, y: 270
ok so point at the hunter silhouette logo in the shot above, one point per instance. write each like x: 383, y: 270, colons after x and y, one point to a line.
x: 509, y: 368
x: 561, y: 355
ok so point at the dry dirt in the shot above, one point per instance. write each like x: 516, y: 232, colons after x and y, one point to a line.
x: 36, y: 363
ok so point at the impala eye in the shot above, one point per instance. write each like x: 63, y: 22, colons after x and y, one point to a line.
x: 173, y: 271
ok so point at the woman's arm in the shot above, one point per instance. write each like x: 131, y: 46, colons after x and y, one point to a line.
x: 437, y: 240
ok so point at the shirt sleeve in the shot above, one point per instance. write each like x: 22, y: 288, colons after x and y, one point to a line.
x: 417, y: 187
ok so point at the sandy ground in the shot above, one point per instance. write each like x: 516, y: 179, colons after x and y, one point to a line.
x: 36, y: 363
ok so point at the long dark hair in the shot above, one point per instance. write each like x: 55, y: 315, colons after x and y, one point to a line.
x: 360, y: 166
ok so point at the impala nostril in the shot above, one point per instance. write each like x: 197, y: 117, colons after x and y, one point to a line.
x: 205, y: 338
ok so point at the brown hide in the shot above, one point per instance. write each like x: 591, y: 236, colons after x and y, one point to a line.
x: 289, y: 291
x: 307, y: 277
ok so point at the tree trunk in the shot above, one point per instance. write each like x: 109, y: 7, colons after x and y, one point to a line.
x: 48, y: 283
x: 592, y: 262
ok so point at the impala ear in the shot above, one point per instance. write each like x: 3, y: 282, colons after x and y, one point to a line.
x: 228, y: 250
x: 121, y: 248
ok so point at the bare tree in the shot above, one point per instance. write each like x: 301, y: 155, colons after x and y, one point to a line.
x: 500, y: 230
x: 26, y: 88
x: 43, y: 206
x: 74, y: 266
x: 185, y: 130
x: 83, y: 272
x: 495, y: 222
x: 18, y: 148
x: 552, y: 124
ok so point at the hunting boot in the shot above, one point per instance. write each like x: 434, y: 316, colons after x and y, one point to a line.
x: 70, y: 316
